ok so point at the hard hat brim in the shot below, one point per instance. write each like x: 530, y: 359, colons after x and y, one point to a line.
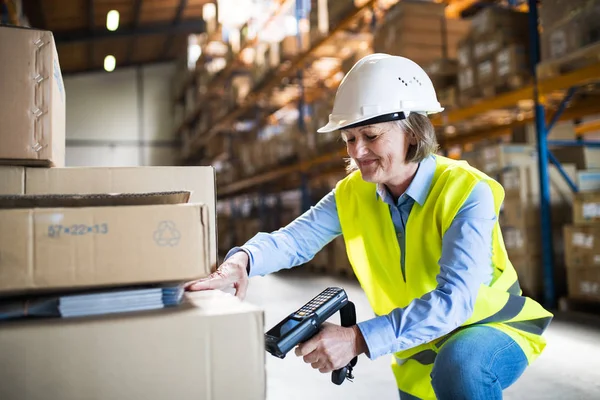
x: 333, y: 125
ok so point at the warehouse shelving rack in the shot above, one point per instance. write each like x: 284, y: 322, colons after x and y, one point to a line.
x: 537, y: 94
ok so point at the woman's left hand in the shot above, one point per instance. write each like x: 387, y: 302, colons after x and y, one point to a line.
x: 332, y: 348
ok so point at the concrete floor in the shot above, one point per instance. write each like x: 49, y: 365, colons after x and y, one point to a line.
x: 568, y: 369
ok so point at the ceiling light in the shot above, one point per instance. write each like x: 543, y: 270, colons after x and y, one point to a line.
x: 209, y: 11
x: 112, y: 20
x: 109, y: 63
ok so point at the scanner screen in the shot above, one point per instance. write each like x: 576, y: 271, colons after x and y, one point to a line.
x: 282, y: 328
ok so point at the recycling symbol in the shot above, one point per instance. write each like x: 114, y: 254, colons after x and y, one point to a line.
x: 167, y: 234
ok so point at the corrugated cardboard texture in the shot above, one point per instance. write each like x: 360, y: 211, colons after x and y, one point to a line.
x: 12, y: 180
x: 584, y: 283
x: 586, y: 208
x: 213, y: 349
x: 32, y: 99
x: 198, y: 180
x: 58, y: 248
x: 582, y: 246
x: 92, y: 200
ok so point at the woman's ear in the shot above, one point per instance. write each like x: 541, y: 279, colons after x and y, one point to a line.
x: 412, y: 139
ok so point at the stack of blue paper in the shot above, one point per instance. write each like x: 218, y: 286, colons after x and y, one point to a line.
x: 96, y: 303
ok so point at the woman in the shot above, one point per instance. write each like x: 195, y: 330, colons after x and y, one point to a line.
x: 422, y: 235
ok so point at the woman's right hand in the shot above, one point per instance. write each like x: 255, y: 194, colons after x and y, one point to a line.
x: 232, y: 272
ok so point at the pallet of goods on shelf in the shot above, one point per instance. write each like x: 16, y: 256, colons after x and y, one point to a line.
x: 569, y: 39
x: 515, y: 168
x: 443, y: 73
x: 582, y: 248
x: 419, y: 31
x: 494, y: 57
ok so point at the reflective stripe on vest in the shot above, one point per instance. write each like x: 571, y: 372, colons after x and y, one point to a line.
x: 374, y: 253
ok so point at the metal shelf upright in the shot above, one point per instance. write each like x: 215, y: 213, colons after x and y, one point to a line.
x: 545, y: 154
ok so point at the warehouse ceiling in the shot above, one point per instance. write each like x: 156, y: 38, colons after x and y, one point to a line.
x: 149, y: 31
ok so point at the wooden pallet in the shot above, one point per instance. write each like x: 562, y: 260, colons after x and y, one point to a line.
x: 581, y: 58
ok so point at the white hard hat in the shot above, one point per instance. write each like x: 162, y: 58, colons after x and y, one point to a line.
x: 380, y: 88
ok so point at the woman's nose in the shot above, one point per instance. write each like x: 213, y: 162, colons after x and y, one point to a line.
x: 360, y: 149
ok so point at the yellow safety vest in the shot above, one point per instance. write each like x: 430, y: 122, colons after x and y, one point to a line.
x: 374, y: 253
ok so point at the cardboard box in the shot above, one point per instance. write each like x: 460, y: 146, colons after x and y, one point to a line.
x: 486, y: 72
x: 584, y: 283
x: 523, y: 182
x: 12, y: 180
x: 114, y: 243
x: 497, y: 157
x: 466, y: 79
x: 586, y: 208
x: 529, y: 271
x: 198, y: 180
x: 419, y: 31
x: 582, y: 246
x: 518, y: 213
x: 582, y: 157
x: 512, y: 61
x: 575, y: 30
x: 520, y: 241
x: 588, y: 181
x: 32, y: 99
x: 494, y: 19
x: 210, y: 348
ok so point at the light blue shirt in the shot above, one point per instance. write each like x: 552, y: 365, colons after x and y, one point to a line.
x: 465, y: 263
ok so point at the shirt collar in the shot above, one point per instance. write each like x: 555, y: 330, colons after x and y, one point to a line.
x: 420, y: 185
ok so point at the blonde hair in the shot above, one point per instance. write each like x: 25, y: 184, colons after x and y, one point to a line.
x: 419, y: 126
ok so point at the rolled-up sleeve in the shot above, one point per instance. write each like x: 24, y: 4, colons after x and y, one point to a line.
x: 465, y: 264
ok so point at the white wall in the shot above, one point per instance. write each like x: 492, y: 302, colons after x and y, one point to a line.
x: 122, y: 118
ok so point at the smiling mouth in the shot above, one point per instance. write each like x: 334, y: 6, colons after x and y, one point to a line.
x: 366, y: 163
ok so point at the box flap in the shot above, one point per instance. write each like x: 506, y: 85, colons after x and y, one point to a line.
x: 92, y: 200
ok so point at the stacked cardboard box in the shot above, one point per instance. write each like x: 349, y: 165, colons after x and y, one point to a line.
x: 419, y: 31
x: 515, y: 168
x: 493, y: 57
x: 325, y: 15
x: 569, y: 27
x: 587, y: 161
x: 582, y: 248
x: 443, y: 74
x: 32, y: 99
x: 195, y: 351
x: 65, y: 230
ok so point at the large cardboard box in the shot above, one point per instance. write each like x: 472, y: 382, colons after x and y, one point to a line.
x: 12, y: 180
x: 523, y: 182
x: 113, y: 243
x: 198, y: 180
x: 582, y: 246
x: 520, y: 241
x: 210, y: 348
x: 586, y: 208
x: 582, y: 157
x: 497, y: 157
x: 32, y: 99
x: 529, y: 271
x: 589, y: 180
x: 494, y: 19
x: 584, y: 283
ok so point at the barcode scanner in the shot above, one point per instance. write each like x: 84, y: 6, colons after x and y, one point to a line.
x: 305, y: 323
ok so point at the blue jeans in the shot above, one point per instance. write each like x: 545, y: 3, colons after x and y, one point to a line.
x: 476, y: 363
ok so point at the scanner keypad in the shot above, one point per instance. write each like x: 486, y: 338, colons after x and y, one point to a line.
x: 315, y: 303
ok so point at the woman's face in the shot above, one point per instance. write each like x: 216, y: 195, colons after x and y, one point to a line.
x: 378, y: 150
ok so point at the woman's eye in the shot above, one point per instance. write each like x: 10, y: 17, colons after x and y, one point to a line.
x: 371, y: 137
x: 350, y: 140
